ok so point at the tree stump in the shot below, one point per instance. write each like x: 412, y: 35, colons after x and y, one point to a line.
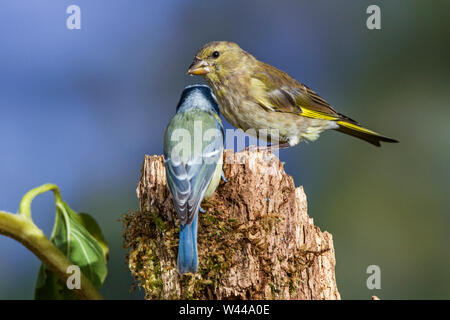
x: 255, y: 240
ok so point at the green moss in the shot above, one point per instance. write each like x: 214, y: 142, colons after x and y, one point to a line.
x: 272, y: 287
x: 143, y: 255
x: 149, y: 236
x: 154, y: 282
x: 159, y: 223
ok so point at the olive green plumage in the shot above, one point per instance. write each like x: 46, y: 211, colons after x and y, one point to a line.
x: 255, y: 95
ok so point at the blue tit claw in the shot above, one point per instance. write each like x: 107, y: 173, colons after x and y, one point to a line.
x: 201, y: 210
x: 223, y: 177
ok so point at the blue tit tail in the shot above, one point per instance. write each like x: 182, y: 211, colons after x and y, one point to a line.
x: 187, y: 248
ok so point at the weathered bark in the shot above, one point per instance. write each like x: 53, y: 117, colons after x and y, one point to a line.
x: 255, y: 240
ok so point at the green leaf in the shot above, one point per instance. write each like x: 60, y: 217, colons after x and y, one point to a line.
x: 94, y: 229
x: 79, y: 237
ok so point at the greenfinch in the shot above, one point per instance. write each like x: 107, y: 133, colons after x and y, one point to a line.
x: 255, y: 95
x: 193, y: 148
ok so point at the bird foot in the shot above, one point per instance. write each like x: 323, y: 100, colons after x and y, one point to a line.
x: 253, y: 148
x: 268, y: 148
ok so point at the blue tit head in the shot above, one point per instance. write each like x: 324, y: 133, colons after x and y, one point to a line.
x: 198, y: 96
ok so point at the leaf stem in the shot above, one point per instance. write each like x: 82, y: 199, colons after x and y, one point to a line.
x: 25, y: 203
x: 21, y: 228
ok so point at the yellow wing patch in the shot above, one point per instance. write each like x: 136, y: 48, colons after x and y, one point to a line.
x: 356, y: 127
x: 317, y: 114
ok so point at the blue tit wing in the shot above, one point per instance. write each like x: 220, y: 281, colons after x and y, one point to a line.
x: 179, y: 185
x: 201, y: 175
x: 188, y: 178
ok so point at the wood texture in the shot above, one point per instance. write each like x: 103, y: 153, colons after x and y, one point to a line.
x: 256, y: 240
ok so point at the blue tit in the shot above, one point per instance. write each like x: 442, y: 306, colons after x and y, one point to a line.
x: 193, y: 150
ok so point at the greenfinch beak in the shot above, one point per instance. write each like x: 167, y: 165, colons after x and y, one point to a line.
x: 199, y: 67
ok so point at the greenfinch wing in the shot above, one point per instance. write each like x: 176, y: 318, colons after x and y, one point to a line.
x: 276, y: 91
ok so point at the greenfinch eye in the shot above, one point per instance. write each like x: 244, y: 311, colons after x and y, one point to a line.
x: 215, y: 54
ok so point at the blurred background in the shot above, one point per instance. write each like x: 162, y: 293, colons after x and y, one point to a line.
x: 80, y: 108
